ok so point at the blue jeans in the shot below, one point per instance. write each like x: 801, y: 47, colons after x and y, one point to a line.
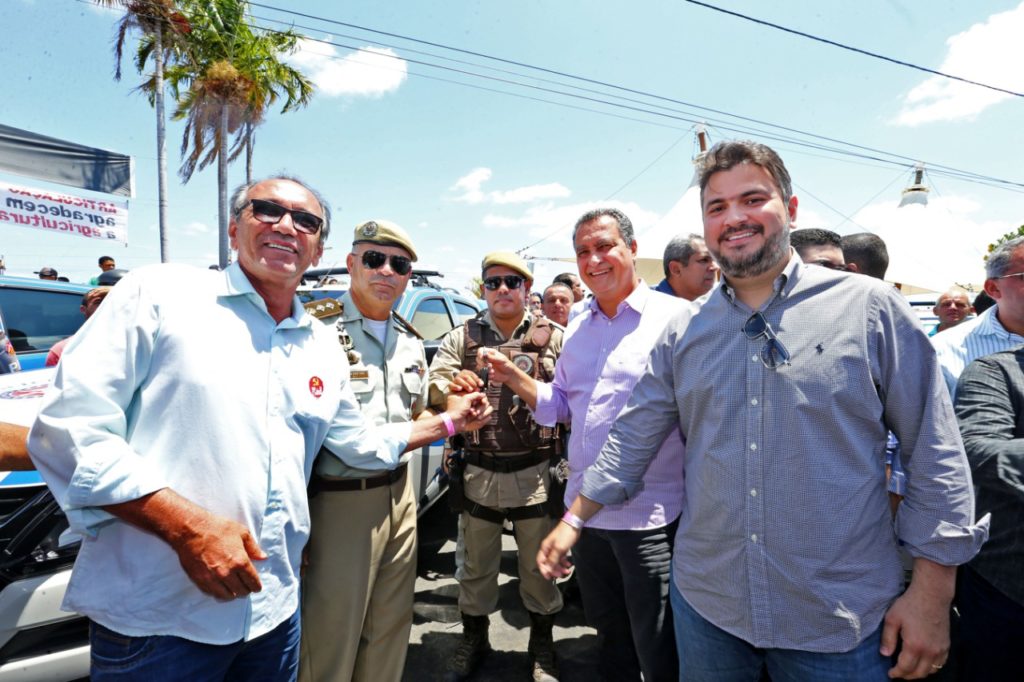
x: 709, y: 654
x: 624, y: 577
x: 273, y: 657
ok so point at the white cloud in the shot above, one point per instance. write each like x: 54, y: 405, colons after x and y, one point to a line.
x: 555, y: 222
x: 369, y: 72
x: 470, y: 189
x: 806, y: 217
x: 936, y: 245
x: 469, y: 185
x: 989, y: 52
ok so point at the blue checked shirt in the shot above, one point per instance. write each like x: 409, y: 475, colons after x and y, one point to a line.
x: 786, y: 539
x: 960, y: 346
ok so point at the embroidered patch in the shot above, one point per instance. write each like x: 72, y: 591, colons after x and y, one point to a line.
x: 360, y: 374
x: 316, y: 386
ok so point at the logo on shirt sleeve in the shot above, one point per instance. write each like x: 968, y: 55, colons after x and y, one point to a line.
x: 316, y: 386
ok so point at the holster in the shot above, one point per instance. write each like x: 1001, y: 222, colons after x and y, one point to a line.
x: 456, y: 491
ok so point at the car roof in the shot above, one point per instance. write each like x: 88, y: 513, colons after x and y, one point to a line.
x: 43, y: 284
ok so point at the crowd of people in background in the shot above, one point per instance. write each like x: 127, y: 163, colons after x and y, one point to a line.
x: 762, y: 467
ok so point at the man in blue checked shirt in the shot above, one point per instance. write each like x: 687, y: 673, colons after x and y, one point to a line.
x: 784, y: 385
x: 179, y: 443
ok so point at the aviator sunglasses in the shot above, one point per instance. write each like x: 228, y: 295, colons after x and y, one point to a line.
x: 511, y: 281
x: 270, y: 213
x: 773, y: 353
x: 375, y: 260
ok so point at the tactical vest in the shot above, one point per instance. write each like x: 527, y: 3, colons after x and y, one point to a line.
x: 511, y: 427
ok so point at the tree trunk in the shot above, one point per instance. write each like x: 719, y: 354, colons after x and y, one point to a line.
x: 161, y: 148
x: 222, y: 184
x: 250, y: 140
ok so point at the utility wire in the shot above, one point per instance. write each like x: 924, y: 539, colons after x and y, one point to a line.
x: 851, y: 48
x: 621, y: 88
x: 686, y: 117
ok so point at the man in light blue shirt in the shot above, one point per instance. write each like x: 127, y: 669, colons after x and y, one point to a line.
x: 179, y: 444
x: 999, y: 328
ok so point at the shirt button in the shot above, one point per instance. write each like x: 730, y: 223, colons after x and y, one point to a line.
x: 753, y: 446
x: 753, y: 358
x: 753, y: 401
x: 753, y: 492
x: 753, y: 538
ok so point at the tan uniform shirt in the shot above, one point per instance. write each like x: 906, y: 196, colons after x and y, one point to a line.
x: 389, y: 380
x: 491, y: 488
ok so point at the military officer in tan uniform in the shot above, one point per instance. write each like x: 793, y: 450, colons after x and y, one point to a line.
x: 357, y: 594
x: 506, y: 464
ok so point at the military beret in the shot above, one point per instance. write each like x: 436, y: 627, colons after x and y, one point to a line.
x: 509, y: 260
x: 384, y: 232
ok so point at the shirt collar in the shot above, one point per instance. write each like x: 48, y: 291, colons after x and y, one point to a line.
x: 486, y: 318
x: 989, y: 324
x: 636, y: 300
x: 236, y: 283
x: 783, y: 285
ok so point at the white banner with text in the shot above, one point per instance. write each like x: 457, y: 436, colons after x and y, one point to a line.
x: 105, y: 219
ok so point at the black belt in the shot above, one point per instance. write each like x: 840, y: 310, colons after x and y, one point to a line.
x: 320, y: 484
x: 530, y: 511
x: 507, y: 465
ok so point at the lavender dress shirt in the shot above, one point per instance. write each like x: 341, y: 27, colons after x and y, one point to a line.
x: 602, y: 359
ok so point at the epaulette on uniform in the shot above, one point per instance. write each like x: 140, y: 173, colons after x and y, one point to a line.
x: 323, y: 308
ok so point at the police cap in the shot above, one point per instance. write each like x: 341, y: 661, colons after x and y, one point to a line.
x: 385, y: 233
x: 509, y: 260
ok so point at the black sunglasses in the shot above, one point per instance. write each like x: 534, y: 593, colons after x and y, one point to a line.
x: 773, y: 353
x: 511, y: 281
x: 375, y: 259
x: 270, y: 213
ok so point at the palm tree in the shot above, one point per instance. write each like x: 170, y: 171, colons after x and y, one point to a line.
x: 231, y: 76
x: 162, y: 26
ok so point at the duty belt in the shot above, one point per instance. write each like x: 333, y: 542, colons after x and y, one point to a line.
x: 530, y: 511
x: 321, y: 484
x: 507, y: 465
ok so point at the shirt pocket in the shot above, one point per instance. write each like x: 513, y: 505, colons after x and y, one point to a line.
x: 412, y: 383
x: 363, y: 382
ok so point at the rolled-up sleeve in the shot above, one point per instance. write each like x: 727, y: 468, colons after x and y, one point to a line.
x: 552, y: 402
x: 446, y: 364
x: 936, y: 518
x: 641, y: 427
x: 79, y: 439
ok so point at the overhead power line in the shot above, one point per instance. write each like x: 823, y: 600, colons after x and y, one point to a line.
x: 682, y: 112
x: 851, y: 48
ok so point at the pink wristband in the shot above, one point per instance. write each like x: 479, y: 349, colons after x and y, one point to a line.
x: 572, y: 520
x: 448, y: 424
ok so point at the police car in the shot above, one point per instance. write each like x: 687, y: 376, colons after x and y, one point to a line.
x: 35, y: 314
x: 38, y: 641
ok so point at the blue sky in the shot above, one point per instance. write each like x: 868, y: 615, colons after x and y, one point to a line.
x: 467, y: 170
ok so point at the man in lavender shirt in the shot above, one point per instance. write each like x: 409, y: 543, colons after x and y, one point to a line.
x: 624, y: 555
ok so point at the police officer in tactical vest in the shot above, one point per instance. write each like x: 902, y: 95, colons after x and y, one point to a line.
x: 506, y: 464
x: 357, y: 595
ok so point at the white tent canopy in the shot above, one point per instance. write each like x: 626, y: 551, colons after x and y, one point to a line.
x: 683, y: 218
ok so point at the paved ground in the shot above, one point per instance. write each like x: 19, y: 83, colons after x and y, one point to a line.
x: 437, y: 627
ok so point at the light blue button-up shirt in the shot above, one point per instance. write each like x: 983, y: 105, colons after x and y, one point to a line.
x: 182, y: 380
x: 960, y: 346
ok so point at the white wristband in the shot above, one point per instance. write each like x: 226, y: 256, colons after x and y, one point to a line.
x: 572, y: 520
x: 448, y: 424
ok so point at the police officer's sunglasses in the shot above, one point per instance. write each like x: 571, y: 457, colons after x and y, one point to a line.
x: 270, y: 213
x: 375, y: 259
x: 511, y: 281
x: 773, y: 353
